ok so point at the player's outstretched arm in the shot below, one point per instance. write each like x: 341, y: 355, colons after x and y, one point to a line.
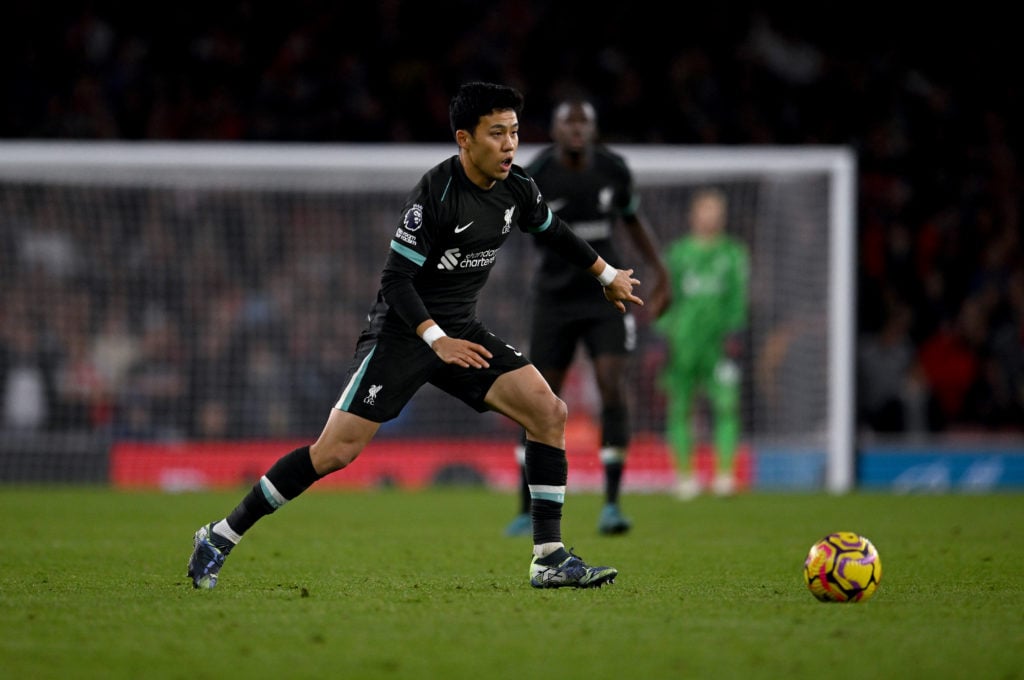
x: 617, y: 283
x: 646, y: 241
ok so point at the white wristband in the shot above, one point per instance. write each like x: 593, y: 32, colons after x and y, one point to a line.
x: 432, y: 334
x: 607, y: 275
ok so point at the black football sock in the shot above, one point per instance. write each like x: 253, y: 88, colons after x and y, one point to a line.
x: 547, y: 471
x: 292, y: 474
x: 614, y: 440
x: 612, y: 482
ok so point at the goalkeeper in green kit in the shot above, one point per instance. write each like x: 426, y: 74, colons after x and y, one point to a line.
x: 709, y: 272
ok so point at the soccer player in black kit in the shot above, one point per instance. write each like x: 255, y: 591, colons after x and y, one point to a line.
x: 423, y: 328
x: 591, y: 188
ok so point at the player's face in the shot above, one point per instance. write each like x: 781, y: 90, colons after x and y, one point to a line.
x: 708, y: 217
x: 488, y: 152
x: 574, y: 126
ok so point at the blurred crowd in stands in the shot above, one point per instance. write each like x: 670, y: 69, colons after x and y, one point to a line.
x: 931, y: 107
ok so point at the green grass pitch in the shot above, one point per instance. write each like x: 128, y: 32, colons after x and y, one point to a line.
x: 400, y: 584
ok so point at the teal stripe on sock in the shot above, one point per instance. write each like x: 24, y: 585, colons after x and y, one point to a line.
x: 270, y: 494
x: 548, y: 496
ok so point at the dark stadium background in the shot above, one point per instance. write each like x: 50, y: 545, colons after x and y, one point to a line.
x: 929, y: 101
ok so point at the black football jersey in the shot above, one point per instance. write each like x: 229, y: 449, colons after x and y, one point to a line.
x: 449, y: 235
x: 591, y: 200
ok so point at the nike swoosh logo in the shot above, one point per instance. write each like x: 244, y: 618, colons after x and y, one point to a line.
x: 464, y: 227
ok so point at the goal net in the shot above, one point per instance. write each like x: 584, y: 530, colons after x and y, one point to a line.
x: 155, y: 292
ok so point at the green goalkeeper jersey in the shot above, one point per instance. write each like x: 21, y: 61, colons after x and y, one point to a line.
x: 709, y: 287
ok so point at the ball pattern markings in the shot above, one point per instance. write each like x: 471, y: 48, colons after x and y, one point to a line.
x: 842, y: 567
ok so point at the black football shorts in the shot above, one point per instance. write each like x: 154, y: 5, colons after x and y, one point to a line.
x: 390, y: 367
x: 556, y: 331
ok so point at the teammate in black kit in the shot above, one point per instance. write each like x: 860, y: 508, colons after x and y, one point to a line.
x: 423, y: 328
x: 591, y: 188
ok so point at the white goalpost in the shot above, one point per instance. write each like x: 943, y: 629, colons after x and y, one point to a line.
x: 213, y: 291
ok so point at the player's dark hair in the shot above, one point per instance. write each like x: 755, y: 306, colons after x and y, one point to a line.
x: 474, y: 100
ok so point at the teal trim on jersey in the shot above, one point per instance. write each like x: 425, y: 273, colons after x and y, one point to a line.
x: 547, y: 223
x: 634, y: 205
x: 408, y: 253
x: 444, y: 194
x: 346, y: 397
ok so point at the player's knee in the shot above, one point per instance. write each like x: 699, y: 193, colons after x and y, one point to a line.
x: 550, y: 416
x: 558, y: 413
x: 331, y: 458
x: 334, y: 451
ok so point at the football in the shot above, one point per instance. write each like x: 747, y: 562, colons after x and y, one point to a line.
x: 843, y: 567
